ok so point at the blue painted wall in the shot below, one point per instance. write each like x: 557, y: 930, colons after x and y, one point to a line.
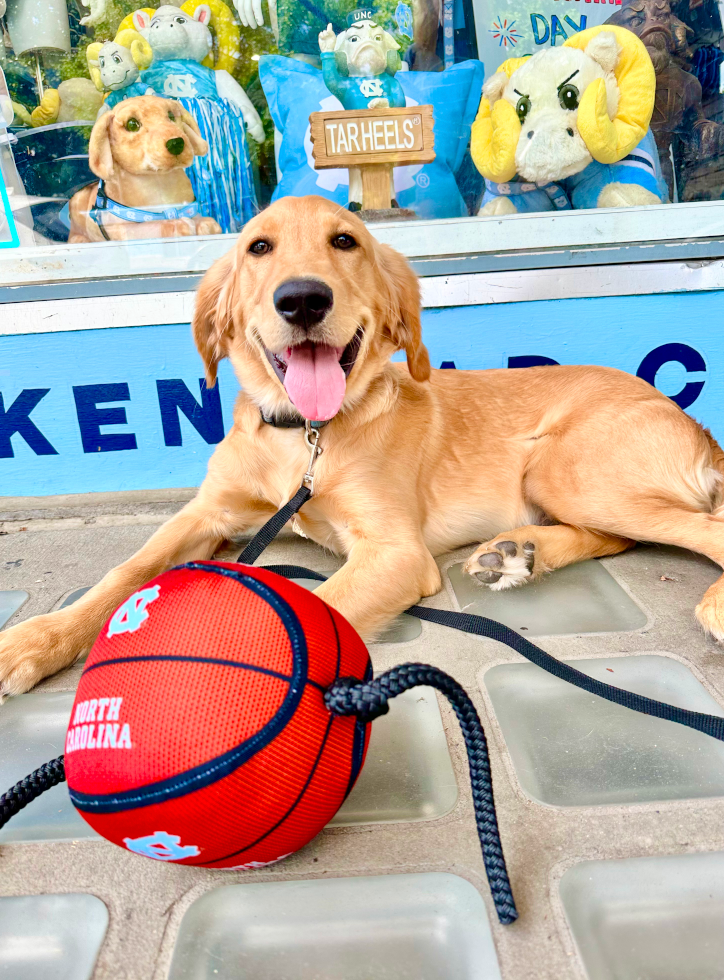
x: 63, y: 443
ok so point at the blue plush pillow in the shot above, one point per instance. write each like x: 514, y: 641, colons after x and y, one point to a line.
x: 294, y: 89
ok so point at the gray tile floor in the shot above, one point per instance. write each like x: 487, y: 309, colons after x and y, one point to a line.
x: 580, y: 790
x: 410, y: 927
x: 51, y: 937
x: 570, y: 748
x: 660, y: 917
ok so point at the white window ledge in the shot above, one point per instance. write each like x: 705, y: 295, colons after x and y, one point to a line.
x: 653, y: 227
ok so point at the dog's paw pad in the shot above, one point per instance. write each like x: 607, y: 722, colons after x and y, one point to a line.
x: 491, y: 560
x: 505, y: 567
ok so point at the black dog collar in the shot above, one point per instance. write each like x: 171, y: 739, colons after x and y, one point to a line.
x: 290, y: 421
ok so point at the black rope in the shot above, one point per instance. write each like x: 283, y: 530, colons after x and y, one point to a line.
x: 273, y: 526
x: 18, y: 796
x: 368, y: 700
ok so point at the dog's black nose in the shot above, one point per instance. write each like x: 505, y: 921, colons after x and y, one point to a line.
x: 303, y: 302
x: 175, y: 146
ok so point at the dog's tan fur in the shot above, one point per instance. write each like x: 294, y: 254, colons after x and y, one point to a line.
x: 417, y: 462
x: 139, y: 171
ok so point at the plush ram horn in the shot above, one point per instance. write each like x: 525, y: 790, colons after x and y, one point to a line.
x: 91, y: 55
x: 494, y: 138
x: 512, y: 64
x: 140, y: 49
x: 610, y: 140
x: 495, y: 132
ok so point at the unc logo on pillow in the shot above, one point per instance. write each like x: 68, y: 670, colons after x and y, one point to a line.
x: 295, y: 89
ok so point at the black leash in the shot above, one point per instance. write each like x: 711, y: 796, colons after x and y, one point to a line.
x: 481, y: 626
x: 369, y: 699
x: 273, y: 526
x: 265, y: 535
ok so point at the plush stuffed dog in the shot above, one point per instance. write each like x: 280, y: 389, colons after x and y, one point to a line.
x: 140, y: 150
x: 569, y: 128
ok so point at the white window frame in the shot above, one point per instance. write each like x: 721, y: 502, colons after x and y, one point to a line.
x: 446, y: 245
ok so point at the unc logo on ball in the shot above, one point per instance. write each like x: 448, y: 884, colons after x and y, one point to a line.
x: 132, y: 613
x: 161, y: 846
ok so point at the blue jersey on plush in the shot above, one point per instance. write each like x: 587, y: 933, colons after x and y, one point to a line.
x: 355, y: 92
x: 582, y: 190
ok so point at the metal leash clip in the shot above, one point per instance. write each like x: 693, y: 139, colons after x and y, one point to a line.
x: 311, y: 439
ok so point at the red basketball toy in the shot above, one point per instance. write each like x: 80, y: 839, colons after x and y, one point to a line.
x: 199, y: 732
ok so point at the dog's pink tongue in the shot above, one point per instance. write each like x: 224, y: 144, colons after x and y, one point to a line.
x: 314, y: 381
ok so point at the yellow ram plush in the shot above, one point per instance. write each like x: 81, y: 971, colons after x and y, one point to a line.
x: 568, y: 127
x: 75, y: 100
x: 116, y: 65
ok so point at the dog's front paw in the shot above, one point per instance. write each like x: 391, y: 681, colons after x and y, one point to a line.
x: 502, y: 564
x: 710, y: 612
x: 207, y: 226
x: 498, y: 206
x: 31, y: 651
x: 178, y: 228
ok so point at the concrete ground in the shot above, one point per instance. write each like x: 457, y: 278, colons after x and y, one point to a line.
x: 50, y: 547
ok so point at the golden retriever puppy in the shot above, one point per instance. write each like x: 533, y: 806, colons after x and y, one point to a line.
x: 140, y: 150
x: 546, y: 466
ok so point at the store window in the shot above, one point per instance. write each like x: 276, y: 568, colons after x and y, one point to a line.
x: 179, y: 122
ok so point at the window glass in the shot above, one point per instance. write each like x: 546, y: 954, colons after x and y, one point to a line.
x: 120, y: 123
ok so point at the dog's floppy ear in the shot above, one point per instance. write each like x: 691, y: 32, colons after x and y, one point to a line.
x: 215, y: 314
x: 401, y: 295
x: 192, y: 131
x: 100, y: 158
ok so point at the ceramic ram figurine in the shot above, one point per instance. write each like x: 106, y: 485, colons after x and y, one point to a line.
x: 115, y: 66
x: 568, y: 127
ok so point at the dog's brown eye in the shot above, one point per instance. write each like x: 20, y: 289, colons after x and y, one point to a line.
x: 260, y: 247
x: 344, y: 242
x: 133, y: 125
